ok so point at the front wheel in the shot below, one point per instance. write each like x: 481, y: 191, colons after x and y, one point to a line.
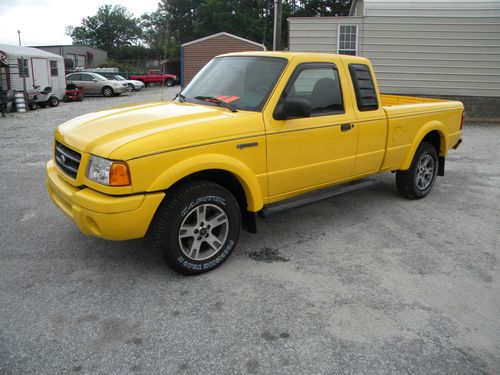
x: 33, y: 105
x: 131, y: 87
x: 417, y: 182
x: 197, y: 227
x: 169, y: 82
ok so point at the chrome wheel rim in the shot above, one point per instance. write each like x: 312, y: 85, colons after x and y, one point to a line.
x: 425, y: 171
x: 203, y: 232
x: 107, y: 92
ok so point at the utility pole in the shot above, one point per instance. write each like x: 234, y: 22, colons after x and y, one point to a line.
x: 23, y: 68
x: 277, y: 25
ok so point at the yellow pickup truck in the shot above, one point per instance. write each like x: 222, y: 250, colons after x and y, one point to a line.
x: 253, y: 133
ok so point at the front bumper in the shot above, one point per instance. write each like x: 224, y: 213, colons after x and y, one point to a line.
x: 120, y: 89
x: 101, y: 215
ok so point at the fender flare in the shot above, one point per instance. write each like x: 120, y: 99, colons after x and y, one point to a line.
x: 424, y: 130
x: 200, y: 163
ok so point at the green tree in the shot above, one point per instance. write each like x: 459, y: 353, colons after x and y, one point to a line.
x: 111, y: 27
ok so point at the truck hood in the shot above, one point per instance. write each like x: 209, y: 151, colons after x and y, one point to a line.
x: 159, y: 126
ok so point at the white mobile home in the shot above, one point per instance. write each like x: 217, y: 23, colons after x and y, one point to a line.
x: 426, y: 47
x: 40, y: 68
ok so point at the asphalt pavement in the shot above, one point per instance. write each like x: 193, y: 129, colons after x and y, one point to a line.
x: 364, y: 283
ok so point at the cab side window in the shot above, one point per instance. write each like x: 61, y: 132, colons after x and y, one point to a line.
x: 320, y: 85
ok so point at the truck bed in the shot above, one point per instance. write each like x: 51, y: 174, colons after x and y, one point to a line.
x: 392, y: 100
x: 399, y: 105
x: 408, y: 116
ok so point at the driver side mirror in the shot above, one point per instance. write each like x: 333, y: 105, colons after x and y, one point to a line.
x: 94, y: 80
x: 293, y: 108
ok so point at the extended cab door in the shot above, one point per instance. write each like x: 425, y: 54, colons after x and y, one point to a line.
x: 307, y: 152
x: 371, y: 118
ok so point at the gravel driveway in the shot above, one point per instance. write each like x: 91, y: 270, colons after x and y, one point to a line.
x: 365, y: 283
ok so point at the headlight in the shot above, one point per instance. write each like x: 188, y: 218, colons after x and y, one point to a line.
x: 108, y: 172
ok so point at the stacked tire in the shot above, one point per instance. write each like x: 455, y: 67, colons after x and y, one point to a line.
x: 20, y: 102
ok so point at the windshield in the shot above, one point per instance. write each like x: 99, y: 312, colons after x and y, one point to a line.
x: 99, y: 77
x: 119, y: 78
x: 243, y: 81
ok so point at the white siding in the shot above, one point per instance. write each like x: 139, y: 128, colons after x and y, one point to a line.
x: 432, y: 8
x: 442, y: 55
x: 319, y: 34
x: 16, y: 81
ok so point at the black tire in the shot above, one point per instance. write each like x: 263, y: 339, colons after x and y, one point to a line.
x: 33, y: 105
x: 131, y: 87
x: 65, y: 98
x: 181, y: 209
x: 107, y: 91
x: 417, y: 182
x: 53, y: 101
x: 169, y: 82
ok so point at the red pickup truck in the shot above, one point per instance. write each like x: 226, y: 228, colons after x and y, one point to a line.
x: 155, y: 76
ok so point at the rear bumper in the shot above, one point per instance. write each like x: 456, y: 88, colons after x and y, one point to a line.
x: 101, y: 215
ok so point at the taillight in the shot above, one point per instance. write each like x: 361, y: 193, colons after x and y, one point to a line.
x: 462, y: 122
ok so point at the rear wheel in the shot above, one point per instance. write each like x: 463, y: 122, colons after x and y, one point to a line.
x: 107, y: 91
x: 417, y: 182
x: 197, y: 227
x: 53, y: 101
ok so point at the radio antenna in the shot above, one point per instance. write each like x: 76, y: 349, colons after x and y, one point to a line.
x: 164, y: 54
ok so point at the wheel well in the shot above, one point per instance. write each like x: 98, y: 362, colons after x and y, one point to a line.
x: 232, y: 184
x: 434, y: 138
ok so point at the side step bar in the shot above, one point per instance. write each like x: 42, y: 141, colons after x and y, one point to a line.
x: 315, y: 196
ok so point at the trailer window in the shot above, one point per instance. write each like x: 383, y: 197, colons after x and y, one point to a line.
x: 53, y: 68
x: 23, y: 70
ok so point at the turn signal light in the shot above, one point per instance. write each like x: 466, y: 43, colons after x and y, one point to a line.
x: 119, y: 174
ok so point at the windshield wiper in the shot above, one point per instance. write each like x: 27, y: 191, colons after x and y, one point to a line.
x: 217, y: 101
x: 181, y: 97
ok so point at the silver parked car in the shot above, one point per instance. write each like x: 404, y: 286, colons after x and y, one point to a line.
x: 131, y: 83
x: 96, y: 84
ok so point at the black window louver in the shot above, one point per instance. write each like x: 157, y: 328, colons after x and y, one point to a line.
x: 364, y: 87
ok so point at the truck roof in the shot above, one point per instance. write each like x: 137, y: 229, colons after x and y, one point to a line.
x: 290, y: 55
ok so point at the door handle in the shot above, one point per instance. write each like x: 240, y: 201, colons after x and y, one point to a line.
x: 346, y: 127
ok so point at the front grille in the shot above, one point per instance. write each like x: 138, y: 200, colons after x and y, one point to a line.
x: 67, y: 159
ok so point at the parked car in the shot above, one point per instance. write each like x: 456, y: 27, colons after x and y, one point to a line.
x: 132, y: 84
x: 252, y: 133
x: 96, y: 84
x: 156, y: 76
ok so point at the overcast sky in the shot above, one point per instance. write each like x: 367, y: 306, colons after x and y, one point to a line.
x: 42, y: 22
